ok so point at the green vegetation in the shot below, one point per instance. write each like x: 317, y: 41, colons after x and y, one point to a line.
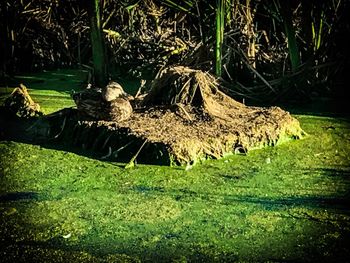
x: 285, y: 9
x: 220, y: 26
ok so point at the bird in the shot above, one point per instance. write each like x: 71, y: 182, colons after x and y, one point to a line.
x: 110, y: 103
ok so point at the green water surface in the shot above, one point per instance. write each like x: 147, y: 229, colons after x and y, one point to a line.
x: 288, y: 203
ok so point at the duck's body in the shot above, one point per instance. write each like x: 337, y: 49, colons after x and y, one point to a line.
x: 120, y: 109
x: 111, y: 104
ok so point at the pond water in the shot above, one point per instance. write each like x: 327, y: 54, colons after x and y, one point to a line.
x: 285, y: 203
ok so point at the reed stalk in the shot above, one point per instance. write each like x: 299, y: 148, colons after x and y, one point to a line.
x: 219, y: 19
x: 97, y: 43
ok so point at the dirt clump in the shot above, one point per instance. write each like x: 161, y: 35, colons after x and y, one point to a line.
x: 186, y: 118
x: 20, y: 104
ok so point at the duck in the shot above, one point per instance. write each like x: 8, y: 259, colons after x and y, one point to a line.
x: 110, y: 103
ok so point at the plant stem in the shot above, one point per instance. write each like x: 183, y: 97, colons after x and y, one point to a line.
x: 220, y: 10
x: 97, y: 44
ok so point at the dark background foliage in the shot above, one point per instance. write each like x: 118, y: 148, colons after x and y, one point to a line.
x: 144, y: 36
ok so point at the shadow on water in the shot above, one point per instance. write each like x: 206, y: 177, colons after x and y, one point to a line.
x: 19, y: 196
x: 133, y: 252
x: 337, y: 203
x: 324, y: 107
x: 66, y: 133
x: 14, y: 197
x: 267, y: 203
x: 318, y: 106
x: 36, y: 131
x: 342, y: 172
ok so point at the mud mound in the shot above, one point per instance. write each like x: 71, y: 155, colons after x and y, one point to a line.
x: 20, y: 104
x: 186, y: 118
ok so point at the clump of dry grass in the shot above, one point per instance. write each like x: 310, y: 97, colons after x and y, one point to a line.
x: 21, y: 104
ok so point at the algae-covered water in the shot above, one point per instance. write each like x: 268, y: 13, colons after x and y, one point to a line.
x: 288, y: 203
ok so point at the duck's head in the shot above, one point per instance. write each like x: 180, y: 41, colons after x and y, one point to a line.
x: 112, y: 91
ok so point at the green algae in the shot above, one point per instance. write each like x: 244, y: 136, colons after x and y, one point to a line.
x: 284, y: 203
x: 288, y: 202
